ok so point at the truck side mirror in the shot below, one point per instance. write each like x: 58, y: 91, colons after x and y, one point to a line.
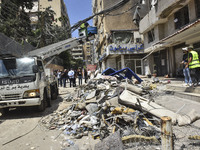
x: 35, y: 69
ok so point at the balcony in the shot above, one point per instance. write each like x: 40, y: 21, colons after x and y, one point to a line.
x: 150, y: 20
x: 165, y: 8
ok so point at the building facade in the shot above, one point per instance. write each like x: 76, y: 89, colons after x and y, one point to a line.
x: 167, y: 28
x: 118, y: 43
x: 58, y: 6
x: 87, y: 50
x: 77, y: 52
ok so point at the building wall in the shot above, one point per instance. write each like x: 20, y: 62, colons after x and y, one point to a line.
x: 58, y: 7
x: 170, y: 39
x: 119, y: 20
x: 87, y: 53
x: 111, y: 63
x: 77, y: 52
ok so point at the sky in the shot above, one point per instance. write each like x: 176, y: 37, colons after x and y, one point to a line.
x: 78, y: 10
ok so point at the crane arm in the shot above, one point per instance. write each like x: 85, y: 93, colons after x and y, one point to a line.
x: 55, y: 49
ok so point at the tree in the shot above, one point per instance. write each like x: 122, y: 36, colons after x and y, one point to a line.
x: 14, y: 21
x: 47, y: 32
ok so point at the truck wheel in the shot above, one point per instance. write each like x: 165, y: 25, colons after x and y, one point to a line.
x: 48, y: 101
x: 4, y: 111
x: 54, y: 92
x: 42, y: 106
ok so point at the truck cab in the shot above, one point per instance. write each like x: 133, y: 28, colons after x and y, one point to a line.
x: 23, y: 82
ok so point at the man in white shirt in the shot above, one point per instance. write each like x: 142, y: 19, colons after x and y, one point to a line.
x: 89, y: 73
x: 71, y: 76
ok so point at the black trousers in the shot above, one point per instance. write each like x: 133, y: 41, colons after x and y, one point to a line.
x: 71, y: 82
x: 195, y: 75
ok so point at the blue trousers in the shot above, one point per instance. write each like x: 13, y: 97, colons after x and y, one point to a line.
x: 186, y: 73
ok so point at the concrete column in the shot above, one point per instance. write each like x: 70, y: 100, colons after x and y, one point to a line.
x: 103, y: 65
x: 166, y: 133
x: 122, y: 61
x: 171, y: 62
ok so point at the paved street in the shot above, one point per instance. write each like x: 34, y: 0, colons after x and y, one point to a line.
x: 22, y: 128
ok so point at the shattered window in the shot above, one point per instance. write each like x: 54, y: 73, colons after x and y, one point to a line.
x: 151, y: 36
x: 181, y: 17
x: 197, y: 4
x: 123, y: 37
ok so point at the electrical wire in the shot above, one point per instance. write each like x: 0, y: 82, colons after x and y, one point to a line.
x: 116, y: 6
x: 123, y: 11
x: 15, y: 9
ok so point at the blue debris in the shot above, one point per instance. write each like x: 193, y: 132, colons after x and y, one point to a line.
x: 128, y: 73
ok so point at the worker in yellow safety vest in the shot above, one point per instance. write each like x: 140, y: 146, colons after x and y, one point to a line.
x: 194, y: 65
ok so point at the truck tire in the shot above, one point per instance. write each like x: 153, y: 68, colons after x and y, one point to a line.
x: 43, y: 104
x: 4, y: 111
x: 48, y: 99
x: 54, y: 92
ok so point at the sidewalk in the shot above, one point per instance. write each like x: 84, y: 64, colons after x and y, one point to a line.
x: 176, y: 97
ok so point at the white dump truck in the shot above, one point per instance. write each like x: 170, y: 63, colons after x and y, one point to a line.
x: 25, y: 81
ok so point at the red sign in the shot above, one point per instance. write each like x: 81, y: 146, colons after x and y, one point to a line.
x: 91, y: 67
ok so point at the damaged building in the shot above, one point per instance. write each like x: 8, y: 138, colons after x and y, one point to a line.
x: 147, y: 35
x: 118, y: 42
x: 167, y: 28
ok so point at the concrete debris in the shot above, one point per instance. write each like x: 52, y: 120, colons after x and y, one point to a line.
x: 91, y: 108
x: 188, y: 119
x: 91, y: 95
x: 194, y: 137
x: 113, y: 111
x: 112, y: 142
x: 137, y: 138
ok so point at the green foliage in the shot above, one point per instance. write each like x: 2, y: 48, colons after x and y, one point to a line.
x: 14, y: 21
x: 47, y: 32
x: 16, y: 24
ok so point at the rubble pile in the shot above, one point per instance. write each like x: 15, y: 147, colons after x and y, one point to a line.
x: 98, y: 110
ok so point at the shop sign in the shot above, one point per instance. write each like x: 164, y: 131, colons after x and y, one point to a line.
x: 126, y: 48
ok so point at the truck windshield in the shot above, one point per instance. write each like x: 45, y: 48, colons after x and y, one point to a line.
x: 16, y: 67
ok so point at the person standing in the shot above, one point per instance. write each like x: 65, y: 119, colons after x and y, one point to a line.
x: 74, y: 81
x: 88, y: 73
x: 71, y: 77
x: 64, y: 77
x: 85, y: 75
x: 194, y: 66
x: 59, y: 78
x: 186, y: 71
x: 67, y: 76
x: 79, y: 74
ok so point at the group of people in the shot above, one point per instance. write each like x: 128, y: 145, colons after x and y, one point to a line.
x: 72, y: 75
x: 191, y: 67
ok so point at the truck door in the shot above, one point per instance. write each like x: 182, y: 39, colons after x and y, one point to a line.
x: 41, y: 70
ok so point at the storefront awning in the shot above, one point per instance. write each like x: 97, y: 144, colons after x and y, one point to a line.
x: 188, y: 34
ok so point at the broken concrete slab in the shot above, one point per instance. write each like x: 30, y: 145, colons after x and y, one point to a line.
x: 127, y: 98
x: 112, y: 142
x: 91, y: 108
x: 91, y: 95
x: 132, y: 88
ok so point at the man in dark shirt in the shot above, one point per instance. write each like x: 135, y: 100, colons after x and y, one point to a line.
x: 64, y: 77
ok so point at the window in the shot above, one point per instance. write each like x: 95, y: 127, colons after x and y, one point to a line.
x: 49, y: 0
x: 181, y: 17
x: 197, y: 4
x: 134, y: 64
x: 151, y: 36
x: 123, y: 37
x: 40, y: 66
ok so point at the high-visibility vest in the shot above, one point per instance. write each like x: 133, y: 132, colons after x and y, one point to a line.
x: 195, y: 60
